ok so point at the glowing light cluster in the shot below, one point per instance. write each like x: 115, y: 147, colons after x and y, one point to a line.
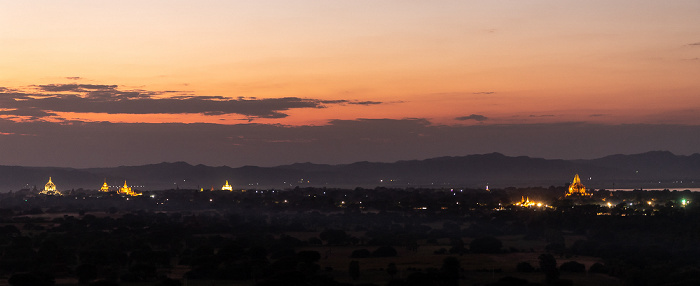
x: 577, y: 189
x: 50, y: 189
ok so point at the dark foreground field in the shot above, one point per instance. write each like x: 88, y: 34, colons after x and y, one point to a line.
x: 348, y: 237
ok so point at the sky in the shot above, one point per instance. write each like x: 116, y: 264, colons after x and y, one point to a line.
x: 267, y: 83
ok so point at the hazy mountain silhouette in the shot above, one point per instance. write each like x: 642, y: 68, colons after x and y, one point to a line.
x: 657, y: 169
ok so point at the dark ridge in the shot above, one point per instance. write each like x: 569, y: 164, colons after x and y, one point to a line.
x: 655, y: 169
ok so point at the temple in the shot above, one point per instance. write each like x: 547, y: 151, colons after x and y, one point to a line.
x: 105, y: 187
x: 227, y: 187
x: 577, y: 189
x: 50, y: 189
x: 525, y: 202
x: 126, y: 190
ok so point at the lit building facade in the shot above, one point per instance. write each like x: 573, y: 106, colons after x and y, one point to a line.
x: 227, y: 187
x: 577, y: 189
x: 126, y: 190
x: 50, y: 189
x: 105, y: 187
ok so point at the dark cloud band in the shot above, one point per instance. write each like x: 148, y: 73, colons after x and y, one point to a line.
x: 95, y: 98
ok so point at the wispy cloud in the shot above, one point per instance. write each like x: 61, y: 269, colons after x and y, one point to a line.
x: 484, y: 92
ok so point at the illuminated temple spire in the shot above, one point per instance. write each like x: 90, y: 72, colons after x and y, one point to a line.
x: 50, y: 189
x: 105, y: 187
x: 577, y: 189
x: 126, y: 190
x: 227, y: 187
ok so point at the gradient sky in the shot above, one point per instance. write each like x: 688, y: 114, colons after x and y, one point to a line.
x: 107, y: 83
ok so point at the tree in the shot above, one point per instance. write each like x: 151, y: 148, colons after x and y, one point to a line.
x: 360, y: 253
x: 548, y: 265
x: 334, y: 236
x: 309, y: 256
x: 450, y: 270
x: 384, y: 251
x: 354, y: 269
x: 598, y: 268
x: 487, y: 244
x: 391, y: 270
x: 572, y: 266
x: 525, y: 267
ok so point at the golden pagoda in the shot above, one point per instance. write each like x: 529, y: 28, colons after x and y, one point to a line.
x: 105, y: 187
x: 577, y: 189
x: 227, y: 187
x: 126, y: 190
x: 50, y: 189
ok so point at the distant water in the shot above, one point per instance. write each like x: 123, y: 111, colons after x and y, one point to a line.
x: 659, y: 189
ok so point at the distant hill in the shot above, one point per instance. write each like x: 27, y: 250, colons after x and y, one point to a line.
x: 657, y: 169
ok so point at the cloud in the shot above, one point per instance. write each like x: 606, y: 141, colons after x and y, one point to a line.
x: 47, y: 100
x: 365, y: 102
x: 542, y: 115
x: 74, y: 77
x: 32, y: 113
x: 694, y: 44
x: 484, y: 92
x: 476, y: 117
x: 75, y: 87
x: 599, y: 115
x: 343, y: 101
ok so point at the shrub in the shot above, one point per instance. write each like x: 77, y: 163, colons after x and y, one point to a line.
x: 572, y: 266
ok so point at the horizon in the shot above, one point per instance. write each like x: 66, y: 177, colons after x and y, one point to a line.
x: 380, y: 162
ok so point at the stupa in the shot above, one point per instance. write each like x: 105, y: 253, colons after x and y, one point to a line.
x: 50, y: 189
x: 105, y: 187
x: 126, y: 190
x: 577, y: 189
x: 227, y: 187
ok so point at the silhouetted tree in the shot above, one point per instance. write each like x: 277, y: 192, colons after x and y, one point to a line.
x: 548, y: 265
x: 572, y: 266
x: 334, y: 236
x: 598, y: 268
x: 384, y: 251
x: 450, y: 270
x: 524, y: 267
x: 487, y: 244
x: 360, y: 253
x: 354, y: 269
x: 391, y: 270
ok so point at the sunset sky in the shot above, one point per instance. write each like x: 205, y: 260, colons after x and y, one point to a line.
x: 108, y: 83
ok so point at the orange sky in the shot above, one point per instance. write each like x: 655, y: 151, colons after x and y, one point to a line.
x: 508, y: 61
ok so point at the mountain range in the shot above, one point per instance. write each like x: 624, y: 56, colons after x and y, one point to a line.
x: 656, y: 169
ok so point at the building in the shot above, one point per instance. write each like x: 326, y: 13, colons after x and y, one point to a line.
x: 577, y: 189
x: 227, y: 187
x: 50, y: 189
x: 105, y: 187
x: 126, y: 190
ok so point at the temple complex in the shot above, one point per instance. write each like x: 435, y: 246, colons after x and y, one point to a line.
x: 50, y: 189
x: 126, y: 190
x: 227, y: 187
x: 525, y: 202
x: 577, y: 189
